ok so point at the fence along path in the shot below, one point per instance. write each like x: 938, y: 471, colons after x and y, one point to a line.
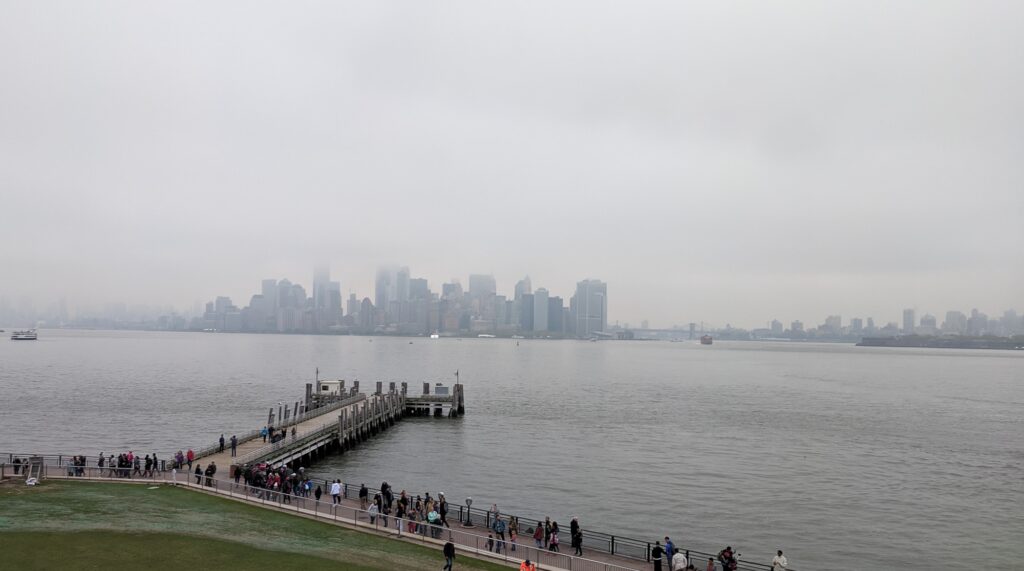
x: 467, y: 540
x: 598, y: 559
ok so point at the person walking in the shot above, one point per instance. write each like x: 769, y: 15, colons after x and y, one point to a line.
x: 711, y: 564
x: 318, y: 493
x: 553, y: 543
x: 364, y: 497
x: 779, y: 562
x: 449, y: 556
x: 336, y: 492
x: 199, y: 473
x: 234, y: 445
x: 669, y: 551
x: 263, y: 433
x: 538, y: 535
x: 656, y: 554
x: 577, y: 543
x: 576, y: 536
x: 527, y: 566
x: 221, y: 449
x: 190, y: 456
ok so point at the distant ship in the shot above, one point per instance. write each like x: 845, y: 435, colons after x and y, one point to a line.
x: 706, y: 340
x: 27, y: 335
x: 435, y: 336
x: 485, y: 336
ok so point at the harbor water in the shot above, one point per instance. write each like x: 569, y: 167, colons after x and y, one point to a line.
x: 845, y: 457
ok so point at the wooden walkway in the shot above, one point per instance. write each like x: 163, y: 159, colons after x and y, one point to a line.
x: 356, y: 419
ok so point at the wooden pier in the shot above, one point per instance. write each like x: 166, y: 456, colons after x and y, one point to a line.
x: 333, y: 419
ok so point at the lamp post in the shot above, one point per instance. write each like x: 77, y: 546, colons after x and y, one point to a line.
x: 469, y: 513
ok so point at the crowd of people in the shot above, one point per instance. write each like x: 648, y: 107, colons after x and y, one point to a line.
x: 727, y: 560
x: 420, y: 514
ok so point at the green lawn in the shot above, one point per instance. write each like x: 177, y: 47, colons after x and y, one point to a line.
x: 87, y: 525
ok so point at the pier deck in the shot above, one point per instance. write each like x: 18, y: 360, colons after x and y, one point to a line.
x: 343, y: 423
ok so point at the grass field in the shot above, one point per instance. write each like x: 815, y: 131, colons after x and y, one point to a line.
x: 87, y: 525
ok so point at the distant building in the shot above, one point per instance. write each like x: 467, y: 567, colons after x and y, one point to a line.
x: 908, y: 321
x: 523, y: 287
x: 928, y: 325
x: 540, y: 310
x: 589, y: 305
x: 856, y: 325
x: 833, y: 325
x: 956, y: 323
x: 482, y: 285
x: 526, y: 312
x: 556, y: 315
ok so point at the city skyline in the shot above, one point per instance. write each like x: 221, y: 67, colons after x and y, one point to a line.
x: 397, y: 282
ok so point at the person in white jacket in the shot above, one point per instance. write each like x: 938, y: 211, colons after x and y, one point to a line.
x: 678, y: 561
x: 779, y: 562
x: 336, y: 491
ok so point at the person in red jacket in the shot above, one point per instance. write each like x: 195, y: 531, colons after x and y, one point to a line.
x: 527, y: 566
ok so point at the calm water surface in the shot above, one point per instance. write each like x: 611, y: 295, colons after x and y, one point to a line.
x: 845, y: 457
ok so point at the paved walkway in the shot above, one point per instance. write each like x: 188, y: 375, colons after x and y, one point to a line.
x: 223, y: 460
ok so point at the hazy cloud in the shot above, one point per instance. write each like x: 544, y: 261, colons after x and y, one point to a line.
x: 729, y: 161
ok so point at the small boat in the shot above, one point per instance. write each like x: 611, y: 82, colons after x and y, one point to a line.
x: 706, y: 339
x: 27, y: 335
x: 435, y: 336
x: 485, y: 336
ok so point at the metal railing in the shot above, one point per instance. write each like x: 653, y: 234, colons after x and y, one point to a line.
x: 287, y: 442
x: 465, y: 540
x: 283, y: 424
x: 615, y: 545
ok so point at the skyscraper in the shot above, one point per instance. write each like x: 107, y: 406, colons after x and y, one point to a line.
x: 590, y: 306
x: 540, y: 310
x: 556, y: 317
x: 908, y: 321
x: 523, y: 287
x: 482, y: 285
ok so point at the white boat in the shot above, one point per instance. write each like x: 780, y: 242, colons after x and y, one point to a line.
x: 485, y: 336
x: 27, y: 335
x: 435, y: 336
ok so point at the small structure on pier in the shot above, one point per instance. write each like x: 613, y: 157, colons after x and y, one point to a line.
x: 439, y: 400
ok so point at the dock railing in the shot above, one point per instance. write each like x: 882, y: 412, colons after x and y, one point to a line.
x: 285, y: 443
x: 284, y: 424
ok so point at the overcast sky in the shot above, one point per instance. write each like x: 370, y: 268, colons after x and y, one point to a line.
x: 725, y: 161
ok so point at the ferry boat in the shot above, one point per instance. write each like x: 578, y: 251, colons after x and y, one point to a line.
x: 706, y: 339
x: 27, y: 335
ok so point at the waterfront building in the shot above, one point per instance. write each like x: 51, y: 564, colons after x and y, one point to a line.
x: 908, y: 321
x: 856, y: 325
x: 556, y: 315
x: 526, y: 312
x: 540, y: 310
x: 590, y: 306
x: 523, y: 287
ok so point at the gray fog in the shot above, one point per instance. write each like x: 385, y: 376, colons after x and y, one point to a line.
x: 727, y: 161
